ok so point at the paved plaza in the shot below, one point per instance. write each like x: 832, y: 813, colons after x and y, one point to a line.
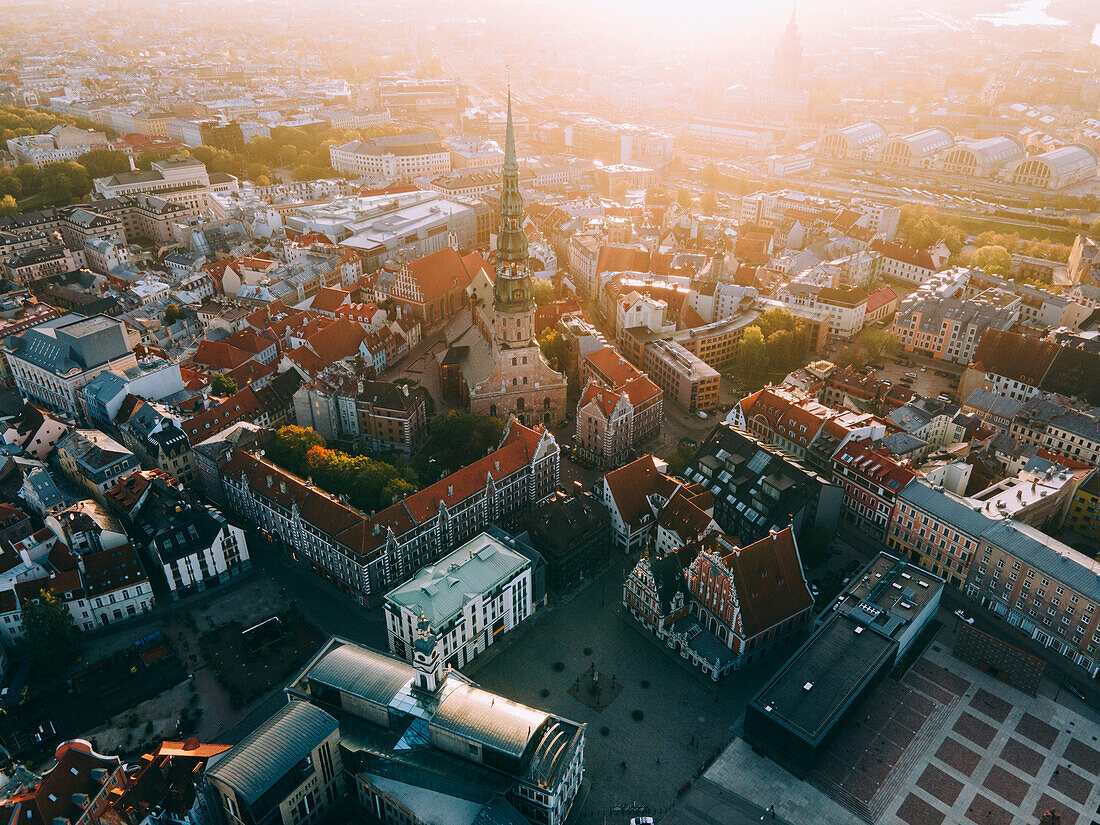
x: 686, y: 718
x: 985, y: 754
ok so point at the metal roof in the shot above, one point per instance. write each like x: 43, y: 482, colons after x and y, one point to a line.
x: 493, y: 721
x: 270, y: 751
x: 1048, y: 555
x: 946, y: 507
x: 861, y: 134
x: 362, y: 672
x: 440, y: 591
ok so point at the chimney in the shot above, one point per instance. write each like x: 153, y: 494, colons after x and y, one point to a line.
x: 450, y: 490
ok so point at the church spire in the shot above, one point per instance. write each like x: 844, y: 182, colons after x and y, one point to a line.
x: 512, y: 288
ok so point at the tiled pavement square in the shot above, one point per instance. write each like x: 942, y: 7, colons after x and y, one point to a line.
x: 927, y: 686
x: 943, y: 677
x: 1006, y: 785
x: 900, y: 735
x: 1073, y: 785
x: 910, y: 717
x: 992, y: 706
x: 958, y: 756
x: 1037, y: 730
x: 945, y: 788
x: 985, y: 811
x: 1083, y: 756
x: 1021, y: 756
x: 1049, y: 803
x: 975, y: 729
x: 916, y: 811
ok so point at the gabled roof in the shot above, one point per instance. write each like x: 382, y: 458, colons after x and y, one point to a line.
x: 1014, y: 356
x: 632, y: 484
x: 329, y: 299
x: 609, y: 363
x: 769, y: 581
x: 340, y: 339
x: 439, y: 273
x: 241, y: 406
x: 921, y: 258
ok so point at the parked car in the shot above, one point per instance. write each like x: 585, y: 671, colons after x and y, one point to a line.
x: 964, y: 617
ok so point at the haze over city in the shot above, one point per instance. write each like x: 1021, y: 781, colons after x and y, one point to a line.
x: 549, y: 413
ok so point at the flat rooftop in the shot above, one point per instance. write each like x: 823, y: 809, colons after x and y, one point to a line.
x: 824, y: 677
x: 894, y: 586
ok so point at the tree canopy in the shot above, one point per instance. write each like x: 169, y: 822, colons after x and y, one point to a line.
x: 291, y: 443
x: 223, y: 385
x: 51, y: 640
x: 455, y: 439
x: 369, y: 483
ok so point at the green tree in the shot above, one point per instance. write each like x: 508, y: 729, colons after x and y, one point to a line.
x: 680, y: 457
x: 51, y: 640
x: 683, y: 197
x: 710, y: 175
x: 103, y: 162
x: 1094, y: 228
x: 223, y: 385
x: 290, y: 445
x: 994, y: 260
x: 553, y: 346
x: 455, y: 439
x: 543, y: 291
x: 752, y: 356
x: 878, y: 342
x: 8, y: 206
x: 172, y: 314
x: 710, y: 202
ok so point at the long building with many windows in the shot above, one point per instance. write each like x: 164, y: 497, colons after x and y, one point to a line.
x: 366, y: 555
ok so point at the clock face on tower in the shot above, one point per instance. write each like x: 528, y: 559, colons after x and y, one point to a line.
x: 517, y: 294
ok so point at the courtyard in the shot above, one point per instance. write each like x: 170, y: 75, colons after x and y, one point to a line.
x: 657, y: 723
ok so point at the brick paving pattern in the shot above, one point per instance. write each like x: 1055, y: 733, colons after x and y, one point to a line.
x: 1073, y: 785
x: 945, y: 788
x: 859, y: 763
x: 1037, y: 730
x: 1083, y: 756
x: 992, y: 706
x: 1006, y: 785
x: 958, y: 756
x: 1049, y: 803
x: 975, y: 729
x: 985, y: 811
x: 1018, y: 754
x: 916, y: 811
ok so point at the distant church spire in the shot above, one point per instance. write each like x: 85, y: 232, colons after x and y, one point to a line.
x: 788, y: 54
x: 512, y: 290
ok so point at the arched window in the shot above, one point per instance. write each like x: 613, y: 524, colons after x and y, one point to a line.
x: 525, y: 379
x: 546, y: 403
x: 514, y: 361
x: 519, y: 403
x: 492, y: 410
x: 514, y: 382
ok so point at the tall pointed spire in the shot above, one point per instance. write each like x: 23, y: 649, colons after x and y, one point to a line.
x: 513, y: 279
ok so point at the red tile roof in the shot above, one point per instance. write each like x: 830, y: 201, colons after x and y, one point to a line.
x: 329, y: 298
x: 769, y: 581
x: 906, y: 254
x: 880, y: 298
x: 609, y: 363
x: 340, y: 339
x: 633, y: 483
x: 243, y: 406
x: 439, y: 273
